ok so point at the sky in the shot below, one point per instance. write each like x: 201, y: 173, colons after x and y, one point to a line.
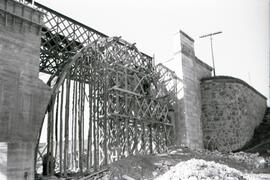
x: 241, y: 51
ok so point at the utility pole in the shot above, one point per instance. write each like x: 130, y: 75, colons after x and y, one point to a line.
x: 211, y: 41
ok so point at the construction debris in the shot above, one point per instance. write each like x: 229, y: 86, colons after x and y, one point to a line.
x: 249, y: 158
x: 183, y: 163
x: 201, y: 169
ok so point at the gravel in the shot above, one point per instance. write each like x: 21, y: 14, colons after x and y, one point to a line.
x: 198, y: 169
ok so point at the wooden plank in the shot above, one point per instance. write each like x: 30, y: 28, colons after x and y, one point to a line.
x: 94, y: 121
x: 89, y: 139
x: 56, y: 125
x: 150, y: 139
x: 125, y: 91
x: 75, y: 124
x: 66, y: 165
x: 105, y: 117
x: 80, y: 122
x: 61, y: 129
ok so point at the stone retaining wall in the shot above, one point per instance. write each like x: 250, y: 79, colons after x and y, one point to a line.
x: 231, y: 109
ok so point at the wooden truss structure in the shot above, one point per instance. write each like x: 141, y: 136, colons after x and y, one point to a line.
x: 109, y: 100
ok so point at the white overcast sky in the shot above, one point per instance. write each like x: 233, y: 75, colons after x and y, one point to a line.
x: 241, y: 51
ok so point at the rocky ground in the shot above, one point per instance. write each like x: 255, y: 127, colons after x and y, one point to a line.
x: 182, y: 164
x: 185, y: 164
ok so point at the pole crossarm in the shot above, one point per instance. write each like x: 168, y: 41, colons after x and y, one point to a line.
x: 212, y: 51
x: 211, y: 34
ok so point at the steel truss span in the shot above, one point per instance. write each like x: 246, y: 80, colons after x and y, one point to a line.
x: 61, y: 39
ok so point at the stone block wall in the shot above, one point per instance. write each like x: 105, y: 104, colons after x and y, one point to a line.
x: 188, y: 124
x: 23, y: 96
x: 231, y: 109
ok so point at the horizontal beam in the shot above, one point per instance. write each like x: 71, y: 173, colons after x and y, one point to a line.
x: 125, y: 91
x: 212, y: 34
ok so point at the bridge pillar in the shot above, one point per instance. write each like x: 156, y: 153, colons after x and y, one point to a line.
x: 23, y: 96
x: 188, y: 123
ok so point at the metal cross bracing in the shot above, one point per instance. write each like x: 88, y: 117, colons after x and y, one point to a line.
x: 61, y: 39
x: 109, y: 100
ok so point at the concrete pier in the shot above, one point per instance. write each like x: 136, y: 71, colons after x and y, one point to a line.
x: 23, y: 96
x: 188, y: 124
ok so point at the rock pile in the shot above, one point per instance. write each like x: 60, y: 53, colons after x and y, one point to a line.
x: 194, y: 169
